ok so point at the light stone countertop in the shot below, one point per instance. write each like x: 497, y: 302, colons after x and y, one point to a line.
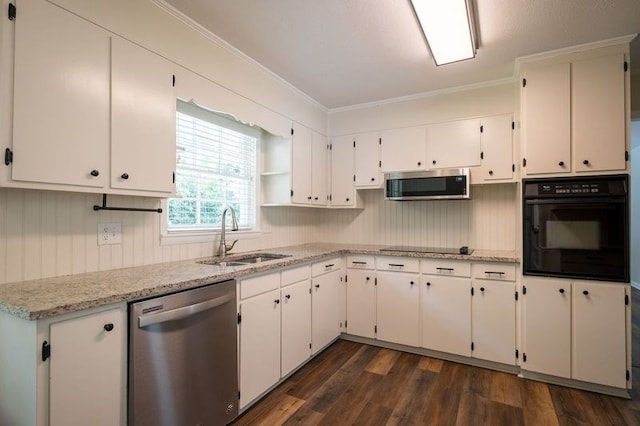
x: 49, y: 297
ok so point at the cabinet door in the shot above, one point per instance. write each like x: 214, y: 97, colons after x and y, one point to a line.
x: 446, y: 314
x: 397, y: 308
x: 598, y: 114
x: 403, y: 149
x: 361, y: 303
x: 454, y: 144
x: 143, y: 119
x: 546, y: 119
x: 497, y: 148
x: 296, y: 325
x: 259, y: 345
x: 87, y: 376
x: 320, y: 170
x: 546, y: 326
x: 61, y: 98
x: 325, y: 309
x: 368, y: 161
x: 342, y: 171
x: 301, y: 146
x: 599, y: 330
x: 493, y: 321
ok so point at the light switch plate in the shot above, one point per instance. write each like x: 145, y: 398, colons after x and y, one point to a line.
x: 109, y: 233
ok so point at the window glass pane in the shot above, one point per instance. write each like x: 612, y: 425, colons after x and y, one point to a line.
x: 215, y: 168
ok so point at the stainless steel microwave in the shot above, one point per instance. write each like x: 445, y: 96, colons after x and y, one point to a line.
x: 443, y: 184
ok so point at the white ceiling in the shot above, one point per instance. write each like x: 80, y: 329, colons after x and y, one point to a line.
x: 348, y: 52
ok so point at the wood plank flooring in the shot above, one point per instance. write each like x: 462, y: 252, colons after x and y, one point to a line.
x: 351, y: 383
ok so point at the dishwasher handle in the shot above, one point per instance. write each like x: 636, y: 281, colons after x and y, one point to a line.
x: 186, y: 311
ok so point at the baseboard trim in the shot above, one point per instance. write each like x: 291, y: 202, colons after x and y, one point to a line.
x: 576, y: 384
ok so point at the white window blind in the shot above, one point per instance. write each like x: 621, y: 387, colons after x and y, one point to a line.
x: 215, y: 168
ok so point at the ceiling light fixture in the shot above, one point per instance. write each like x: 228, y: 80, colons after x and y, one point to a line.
x: 447, y: 26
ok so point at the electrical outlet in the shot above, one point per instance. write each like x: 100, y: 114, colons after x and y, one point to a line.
x: 109, y: 233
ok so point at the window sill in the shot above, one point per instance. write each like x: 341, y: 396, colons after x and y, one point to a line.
x: 187, y: 237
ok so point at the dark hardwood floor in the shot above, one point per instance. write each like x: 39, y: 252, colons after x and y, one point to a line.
x: 351, y: 383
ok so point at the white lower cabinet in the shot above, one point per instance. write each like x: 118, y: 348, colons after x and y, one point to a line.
x: 259, y: 345
x: 397, y: 308
x: 493, y: 321
x: 361, y: 303
x: 446, y: 314
x: 296, y: 325
x: 65, y: 371
x: 577, y: 330
x: 328, y: 303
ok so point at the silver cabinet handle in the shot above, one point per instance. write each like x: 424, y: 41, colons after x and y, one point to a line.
x: 186, y: 311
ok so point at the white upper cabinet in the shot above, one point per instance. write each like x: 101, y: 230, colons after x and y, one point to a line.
x: 574, y: 114
x: 496, y: 143
x: 320, y: 170
x: 61, y: 98
x: 403, y: 149
x: 368, y: 161
x: 301, y: 164
x: 598, y: 114
x: 343, y: 192
x: 546, y: 119
x: 143, y: 119
x: 453, y: 144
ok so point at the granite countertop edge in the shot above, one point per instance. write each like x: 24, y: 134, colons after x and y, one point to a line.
x: 51, y: 297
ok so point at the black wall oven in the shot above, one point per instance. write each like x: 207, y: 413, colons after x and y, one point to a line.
x: 577, y: 227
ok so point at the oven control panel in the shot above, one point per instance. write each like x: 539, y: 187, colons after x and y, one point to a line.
x: 571, y: 188
x: 599, y: 186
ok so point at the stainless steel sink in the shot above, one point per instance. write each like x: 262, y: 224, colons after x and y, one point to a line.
x: 244, y: 260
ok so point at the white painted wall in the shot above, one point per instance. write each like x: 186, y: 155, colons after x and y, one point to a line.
x: 635, y: 203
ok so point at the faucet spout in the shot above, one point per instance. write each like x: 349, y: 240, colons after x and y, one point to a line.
x: 224, y: 247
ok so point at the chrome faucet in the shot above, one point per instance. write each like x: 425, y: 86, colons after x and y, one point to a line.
x: 224, y: 248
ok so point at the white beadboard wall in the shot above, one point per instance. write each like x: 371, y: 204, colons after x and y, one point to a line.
x: 487, y: 221
x: 48, y: 233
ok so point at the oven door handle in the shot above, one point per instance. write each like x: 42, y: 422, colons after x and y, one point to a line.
x: 185, y: 311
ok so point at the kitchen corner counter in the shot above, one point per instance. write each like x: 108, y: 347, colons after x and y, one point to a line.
x: 50, y: 297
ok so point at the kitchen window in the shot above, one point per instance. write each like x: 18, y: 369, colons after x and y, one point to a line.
x: 215, y: 168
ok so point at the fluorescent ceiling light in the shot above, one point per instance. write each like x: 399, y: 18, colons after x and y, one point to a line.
x: 446, y: 25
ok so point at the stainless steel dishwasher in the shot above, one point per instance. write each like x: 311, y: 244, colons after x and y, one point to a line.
x: 183, y: 358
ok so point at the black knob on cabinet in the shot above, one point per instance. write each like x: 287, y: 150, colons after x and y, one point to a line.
x: 94, y: 173
x: 288, y: 296
x: 411, y: 283
x: 490, y: 172
x: 561, y: 290
x: 315, y: 198
x: 434, y: 161
x: 586, y: 292
x: 277, y: 301
x: 373, y: 179
x: 347, y: 199
x: 561, y: 164
x: 368, y: 278
x: 428, y: 284
x: 585, y: 162
x: 309, y: 197
x: 108, y: 327
x: 419, y: 163
x: 125, y: 176
x: 482, y: 289
x: 317, y: 285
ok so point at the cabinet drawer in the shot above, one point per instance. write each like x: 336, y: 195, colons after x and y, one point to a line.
x: 493, y: 271
x: 361, y: 262
x: 450, y: 268
x: 290, y: 276
x: 325, y: 266
x: 400, y: 264
x: 260, y: 284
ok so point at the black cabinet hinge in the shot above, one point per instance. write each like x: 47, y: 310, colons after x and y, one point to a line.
x: 482, y: 155
x: 626, y: 64
x: 524, y: 357
x: 517, y: 354
x: 524, y: 290
x: 354, y: 178
x: 354, y: 144
x: 513, y: 125
x: 375, y: 281
x: 309, y: 345
x: 239, y: 317
x: 626, y: 156
x: 516, y: 296
x: 238, y: 395
x: 626, y: 299
x: 174, y: 177
x: 292, y: 131
x: 379, y: 141
x: 524, y: 162
x: 471, y: 346
x: 472, y: 291
x: 46, y: 350
x: 481, y: 129
x: 513, y: 168
x: 330, y: 197
x: 524, y: 82
x: 330, y: 147
x: 346, y: 278
x: 173, y: 83
x: 12, y: 11
x: 8, y: 157
x: 375, y: 328
x: 292, y: 192
x: 628, y: 375
x: 380, y: 163
x: 345, y: 324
